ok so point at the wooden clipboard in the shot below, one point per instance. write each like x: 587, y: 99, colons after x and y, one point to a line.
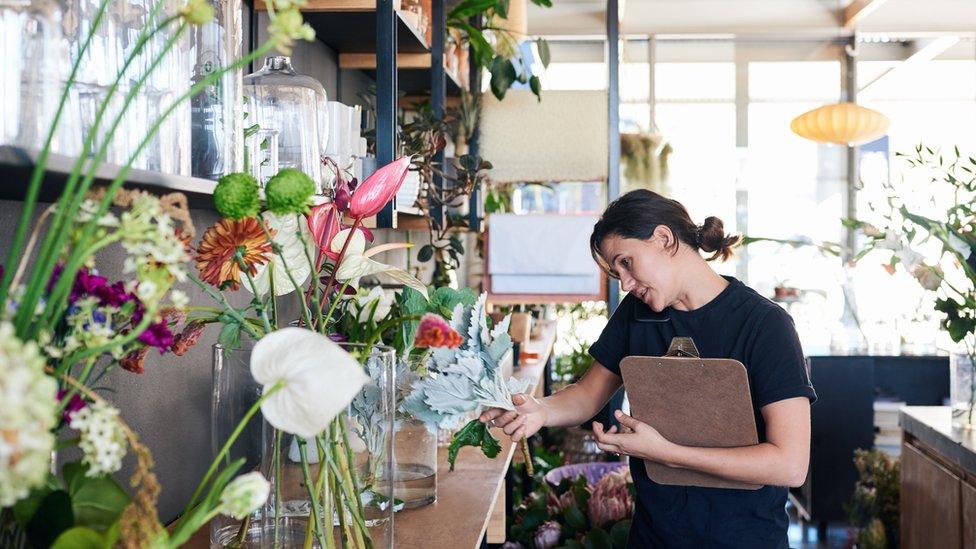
x: 691, y: 401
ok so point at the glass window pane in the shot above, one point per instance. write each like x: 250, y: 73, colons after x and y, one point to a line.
x: 575, y: 76
x: 797, y: 81
x: 694, y: 81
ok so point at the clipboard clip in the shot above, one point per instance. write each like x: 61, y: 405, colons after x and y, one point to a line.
x: 683, y: 347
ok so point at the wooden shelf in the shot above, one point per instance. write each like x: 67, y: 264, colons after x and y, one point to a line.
x: 349, y: 26
x: 16, y: 165
x: 413, y: 71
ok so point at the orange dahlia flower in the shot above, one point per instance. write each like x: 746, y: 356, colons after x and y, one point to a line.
x: 215, y: 255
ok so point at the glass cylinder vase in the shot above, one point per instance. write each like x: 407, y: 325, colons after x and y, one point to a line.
x: 416, y: 463
x: 962, y: 390
x: 348, y: 468
x: 216, y: 113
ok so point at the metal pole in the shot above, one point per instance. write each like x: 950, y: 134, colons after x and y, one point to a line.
x: 437, y: 93
x: 853, y: 173
x: 476, y: 204
x: 613, y: 127
x: 386, y: 97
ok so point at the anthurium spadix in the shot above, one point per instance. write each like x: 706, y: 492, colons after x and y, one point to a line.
x: 357, y: 263
x: 318, y: 379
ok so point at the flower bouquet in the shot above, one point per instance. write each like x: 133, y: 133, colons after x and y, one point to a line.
x: 63, y: 326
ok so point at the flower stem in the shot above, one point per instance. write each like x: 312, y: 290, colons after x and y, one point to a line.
x: 309, y: 487
x: 228, y: 308
x: 276, y: 463
x: 338, y: 262
x: 258, y: 304
x: 291, y: 278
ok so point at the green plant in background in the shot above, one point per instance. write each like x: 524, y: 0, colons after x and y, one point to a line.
x: 573, y: 358
x: 874, y: 506
x: 495, y: 47
x: 423, y: 137
x: 904, y: 233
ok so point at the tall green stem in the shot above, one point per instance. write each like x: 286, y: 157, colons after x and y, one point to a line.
x: 310, y: 488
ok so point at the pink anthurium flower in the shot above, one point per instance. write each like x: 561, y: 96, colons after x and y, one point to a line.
x: 378, y: 189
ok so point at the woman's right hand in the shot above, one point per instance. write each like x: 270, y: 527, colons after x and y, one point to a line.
x: 529, y: 416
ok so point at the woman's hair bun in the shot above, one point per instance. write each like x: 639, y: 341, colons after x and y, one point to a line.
x: 714, y: 239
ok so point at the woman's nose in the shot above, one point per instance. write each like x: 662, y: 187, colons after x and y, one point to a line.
x: 626, y: 283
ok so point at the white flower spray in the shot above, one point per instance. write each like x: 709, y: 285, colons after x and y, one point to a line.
x: 102, y: 438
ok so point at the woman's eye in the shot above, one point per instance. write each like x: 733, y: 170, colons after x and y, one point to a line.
x: 625, y: 263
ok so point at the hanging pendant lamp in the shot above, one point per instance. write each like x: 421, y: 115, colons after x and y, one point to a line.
x: 841, y: 123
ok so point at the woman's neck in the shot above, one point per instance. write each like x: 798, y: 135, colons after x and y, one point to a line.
x: 701, y: 287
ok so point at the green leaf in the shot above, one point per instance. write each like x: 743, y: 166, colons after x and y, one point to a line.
x: 483, y: 52
x: 598, y: 538
x: 469, y: 8
x: 501, y: 9
x: 575, y: 519
x: 532, y: 518
x: 503, y: 75
x: 97, y: 502
x: 456, y: 244
x: 573, y: 544
x: 474, y: 433
x: 543, y: 3
x: 425, y: 253
x: 79, y: 537
x: 620, y: 533
x: 230, y: 332
x: 53, y: 516
x: 25, y: 509
x: 544, y: 55
x: 536, y: 86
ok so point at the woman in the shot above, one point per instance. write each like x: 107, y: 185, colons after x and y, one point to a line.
x: 652, y: 246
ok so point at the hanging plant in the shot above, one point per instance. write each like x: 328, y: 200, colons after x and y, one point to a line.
x: 645, y: 158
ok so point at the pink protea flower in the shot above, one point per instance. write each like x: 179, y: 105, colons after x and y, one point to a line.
x: 547, y: 536
x: 434, y: 331
x: 611, y: 500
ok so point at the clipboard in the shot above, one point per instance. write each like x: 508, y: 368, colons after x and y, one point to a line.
x: 691, y: 401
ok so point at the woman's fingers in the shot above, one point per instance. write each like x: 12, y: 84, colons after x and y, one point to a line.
x: 505, y: 418
x: 512, y: 426
x: 490, y: 414
x: 613, y: 448
x: 519, y: 434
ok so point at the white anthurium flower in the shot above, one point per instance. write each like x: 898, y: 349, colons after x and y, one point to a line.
x: 319, y: 379
x: 286, y: 229
x: 383, y: 300
x: 357, y: 263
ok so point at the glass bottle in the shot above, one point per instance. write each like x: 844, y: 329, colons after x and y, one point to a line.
x: 295, y: 105
x: 35, y: 68
x: 216, y: 114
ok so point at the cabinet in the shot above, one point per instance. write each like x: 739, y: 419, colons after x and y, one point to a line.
x: 931, y: 498
x: 968, y: 515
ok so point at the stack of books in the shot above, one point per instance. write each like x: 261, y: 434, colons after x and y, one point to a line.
x: 887, y: 433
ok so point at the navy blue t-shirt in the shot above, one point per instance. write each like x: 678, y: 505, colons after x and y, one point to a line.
x: 739, y: 324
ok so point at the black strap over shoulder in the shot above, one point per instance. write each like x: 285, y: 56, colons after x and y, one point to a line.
x: 683, y: 347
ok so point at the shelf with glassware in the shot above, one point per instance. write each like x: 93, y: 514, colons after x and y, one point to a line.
x: 350, y: 25
x: 17, y: 163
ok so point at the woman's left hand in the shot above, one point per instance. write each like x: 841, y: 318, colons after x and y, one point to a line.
x: 636, y: 439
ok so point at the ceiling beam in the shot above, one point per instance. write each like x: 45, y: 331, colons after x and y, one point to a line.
x: 857, y: 10
x: 924, y: 51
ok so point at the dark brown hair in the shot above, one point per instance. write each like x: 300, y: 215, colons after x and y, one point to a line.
x: 636, y: 215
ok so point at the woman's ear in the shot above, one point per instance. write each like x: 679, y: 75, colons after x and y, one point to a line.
x: 663, y: 234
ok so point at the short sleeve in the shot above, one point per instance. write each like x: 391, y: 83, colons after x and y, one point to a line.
x: 777, y: 368
x: 612, y: 345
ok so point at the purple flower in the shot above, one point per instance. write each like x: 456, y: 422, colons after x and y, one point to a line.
x: 547, y: 536
x: 338, y: 338
x: 86, y: 283
x: 76, y: 403
x: 58, y: 269
x: 158, y: 335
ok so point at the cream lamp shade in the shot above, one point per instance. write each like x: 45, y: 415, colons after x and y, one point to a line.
x: 841, y: 124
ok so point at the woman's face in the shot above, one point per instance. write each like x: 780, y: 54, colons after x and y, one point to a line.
x: 646, y: 268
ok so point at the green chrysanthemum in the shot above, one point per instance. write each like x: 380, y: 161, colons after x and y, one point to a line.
x: 236, y: 196
x: 289, y: 192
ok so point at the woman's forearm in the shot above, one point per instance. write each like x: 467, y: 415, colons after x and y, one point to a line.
x: 763, y: 463
x: 571, y: 406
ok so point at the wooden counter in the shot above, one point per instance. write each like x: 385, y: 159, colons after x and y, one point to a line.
x: 469, y: 498
x: 938, y: 481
